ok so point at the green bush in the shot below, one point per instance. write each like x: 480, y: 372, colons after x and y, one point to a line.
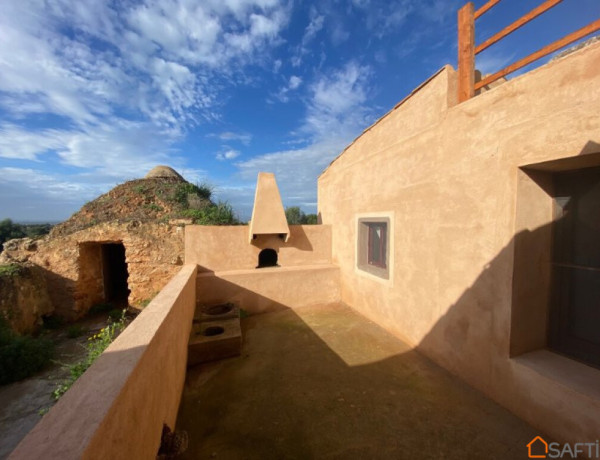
x: 182, y: 191
x: 216, y: 214
x: 21, y: 356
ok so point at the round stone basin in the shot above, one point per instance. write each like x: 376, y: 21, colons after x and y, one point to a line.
x: 217, y: 310
x: 212, y: 331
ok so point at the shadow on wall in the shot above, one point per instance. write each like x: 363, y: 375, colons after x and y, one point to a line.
x: 474, y: 339
x: 523, y: 301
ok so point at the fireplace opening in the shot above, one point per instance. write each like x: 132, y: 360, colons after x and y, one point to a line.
x: 267, y: 258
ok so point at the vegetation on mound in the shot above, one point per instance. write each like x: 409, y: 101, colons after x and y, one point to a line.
x: 159, y: 199
x: 21, y: 356
x: 10, y: 270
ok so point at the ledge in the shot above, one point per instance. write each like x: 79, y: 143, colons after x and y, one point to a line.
x: 265, y: 270
x: 572, y: 374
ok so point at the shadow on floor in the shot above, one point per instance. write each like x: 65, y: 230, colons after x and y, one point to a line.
x: 324, y: 382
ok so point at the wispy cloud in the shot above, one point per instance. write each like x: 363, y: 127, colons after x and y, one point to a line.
x: 244, y: 138
x: 335, y: 112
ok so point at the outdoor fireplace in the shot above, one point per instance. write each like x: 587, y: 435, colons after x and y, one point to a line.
x: 267, y: 258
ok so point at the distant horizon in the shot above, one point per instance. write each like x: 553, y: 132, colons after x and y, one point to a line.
x: 219, y: 90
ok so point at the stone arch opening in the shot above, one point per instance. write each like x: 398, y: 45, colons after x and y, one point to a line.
x: 267, y: 258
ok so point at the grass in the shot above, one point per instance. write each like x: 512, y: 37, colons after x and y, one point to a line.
x: 183, y: 190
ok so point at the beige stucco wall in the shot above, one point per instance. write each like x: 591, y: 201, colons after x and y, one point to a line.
x: 118, y: 407
x: 450, y: 175
x: 218, y: 248
x: 271, y: 289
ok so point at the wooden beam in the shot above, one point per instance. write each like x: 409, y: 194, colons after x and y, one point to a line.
x: 518, y: 23
x: 558, y: 44
x: 466, y: 55
x: 485, y: 7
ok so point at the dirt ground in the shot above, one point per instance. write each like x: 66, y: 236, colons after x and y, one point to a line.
x: 326, y: 383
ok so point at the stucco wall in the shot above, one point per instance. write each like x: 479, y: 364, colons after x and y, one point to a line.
x: 271, y: 289
x: 449, y: 173
x: 218, y: 248
x: 118, y: 407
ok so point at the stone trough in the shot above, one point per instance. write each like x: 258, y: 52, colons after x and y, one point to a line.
x: 216, y: 333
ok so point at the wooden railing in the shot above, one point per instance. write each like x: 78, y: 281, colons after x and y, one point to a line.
x: 467, y: 48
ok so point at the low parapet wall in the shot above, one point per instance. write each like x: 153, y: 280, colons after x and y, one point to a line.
x: 118, y: 407
x: 270, y: 289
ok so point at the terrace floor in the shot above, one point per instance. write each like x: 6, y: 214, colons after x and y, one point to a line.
x: 324, y: 382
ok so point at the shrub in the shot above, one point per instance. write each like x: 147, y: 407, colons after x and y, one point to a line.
x: 115, y: 314
x: 182, y: 191
x: 216, y: 214
x: 21, y: 356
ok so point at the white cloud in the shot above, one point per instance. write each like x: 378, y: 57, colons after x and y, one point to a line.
x: 310, y: 32
x: 154, y: 66
x: 335, y: 113
x: 228, y: 155
x: 295, y: 82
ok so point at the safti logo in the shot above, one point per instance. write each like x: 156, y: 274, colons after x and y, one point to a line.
x: 539, y: 448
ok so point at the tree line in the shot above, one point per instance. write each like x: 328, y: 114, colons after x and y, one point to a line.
x: 295, y: 216
x: 10, y: 230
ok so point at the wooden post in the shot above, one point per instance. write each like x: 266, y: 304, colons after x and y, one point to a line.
x: 466, y: 52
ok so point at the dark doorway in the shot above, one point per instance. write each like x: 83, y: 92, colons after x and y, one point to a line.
x: 114, y: 272
x: 267, y: 258
x: 575, y: 312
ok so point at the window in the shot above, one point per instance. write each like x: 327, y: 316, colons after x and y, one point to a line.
x: 373, y: 249
x: 575, y: 305
x: 377, y: 243
x: 556, y: 277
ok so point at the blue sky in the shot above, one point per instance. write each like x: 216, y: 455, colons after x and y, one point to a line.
x: 93, y: 93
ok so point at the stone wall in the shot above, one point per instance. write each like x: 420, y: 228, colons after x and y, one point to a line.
x: 154, y: 253
x: 24, y: 298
